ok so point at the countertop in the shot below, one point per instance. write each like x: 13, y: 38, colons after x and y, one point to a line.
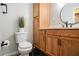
x: 60, y: 28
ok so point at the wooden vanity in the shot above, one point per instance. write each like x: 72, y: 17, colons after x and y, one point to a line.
x: 53, y: 42
x: 59, y: 42
x: 63, y: 42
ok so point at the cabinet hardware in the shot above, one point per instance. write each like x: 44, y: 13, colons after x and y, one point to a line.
x: 44, y: 32
x: 43, y: 37
x: 59, y: 42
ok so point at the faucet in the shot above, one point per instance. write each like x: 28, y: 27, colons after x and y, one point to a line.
x: 66, y: 23
x: 73, y: 24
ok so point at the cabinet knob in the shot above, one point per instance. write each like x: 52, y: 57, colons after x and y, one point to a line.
x: 59, y: 42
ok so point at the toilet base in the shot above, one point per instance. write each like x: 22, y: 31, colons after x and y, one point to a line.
x: 25, y: 52
x: 24, y: 55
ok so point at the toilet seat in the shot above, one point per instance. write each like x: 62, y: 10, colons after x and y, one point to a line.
x: 24, y: 50
x: 25, y: 45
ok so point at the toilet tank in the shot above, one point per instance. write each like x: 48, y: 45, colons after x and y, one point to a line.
x: 21, y: 36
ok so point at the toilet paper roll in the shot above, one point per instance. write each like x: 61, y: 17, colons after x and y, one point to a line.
x: 8, y: 43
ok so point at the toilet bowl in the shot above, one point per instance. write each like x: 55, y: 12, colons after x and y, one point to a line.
x: 24, y: 47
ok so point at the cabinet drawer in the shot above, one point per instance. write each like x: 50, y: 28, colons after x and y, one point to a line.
x: 53, y: 32
x: 64, y: 32
x: 69, y: 33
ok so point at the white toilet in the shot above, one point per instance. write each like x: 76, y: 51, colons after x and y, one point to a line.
x: 24, y: 47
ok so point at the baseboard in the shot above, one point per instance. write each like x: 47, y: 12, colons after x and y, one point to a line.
x: 11, y: 54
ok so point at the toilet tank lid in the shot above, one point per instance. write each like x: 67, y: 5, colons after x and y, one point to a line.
x: 25, y: 45
x: 21, y: 32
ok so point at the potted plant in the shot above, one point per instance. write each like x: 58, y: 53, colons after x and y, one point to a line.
x: 21, y: 24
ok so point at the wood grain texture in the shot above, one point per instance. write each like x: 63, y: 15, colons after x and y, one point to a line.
x: 36, y: 39
x: 52, y: 45
x: 44, y: 15
x: 35, y: 9
x: 69, y: 47
x: 42, y: 40
x: 66, y: 33
x: 68, y: 42
x: 41, y: 20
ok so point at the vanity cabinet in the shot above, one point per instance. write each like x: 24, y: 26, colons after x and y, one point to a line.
x: 42, y: 40
x: 69, y: 46
x: 52, y: 47
x: 62, y: 42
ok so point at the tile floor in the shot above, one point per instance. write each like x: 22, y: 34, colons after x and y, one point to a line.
x: 36, y: 52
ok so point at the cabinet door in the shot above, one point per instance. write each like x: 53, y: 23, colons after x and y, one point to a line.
x: 35, y: 9
x: 42, y: 40
x: 44, y: 15
x: 52, y: 47
x: 36, y: 32
x: 69, y: 47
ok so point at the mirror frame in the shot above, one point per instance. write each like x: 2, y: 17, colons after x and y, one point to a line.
x: 66, y: 22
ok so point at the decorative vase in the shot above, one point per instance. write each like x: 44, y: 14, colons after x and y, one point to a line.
x: 21, y: 29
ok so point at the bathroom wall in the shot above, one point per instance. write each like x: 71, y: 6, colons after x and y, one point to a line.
x: 55, y: 14
x: 1, y: 31
x: 54, y: 18
x: 8, y: 25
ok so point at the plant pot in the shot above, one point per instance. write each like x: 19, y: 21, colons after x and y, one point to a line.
x: 21, y: 29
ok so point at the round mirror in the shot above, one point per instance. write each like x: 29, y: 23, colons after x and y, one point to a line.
x: 70, y: 13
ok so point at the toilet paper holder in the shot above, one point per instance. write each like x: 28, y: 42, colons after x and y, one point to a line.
x: 3, y: 43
